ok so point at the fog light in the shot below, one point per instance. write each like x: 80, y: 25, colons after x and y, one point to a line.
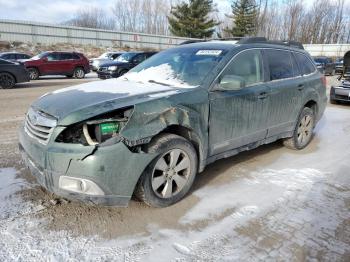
x: 79, y: 185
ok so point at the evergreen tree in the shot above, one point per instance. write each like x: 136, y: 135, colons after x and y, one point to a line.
x: 192, y: 19
x: 244, y: 15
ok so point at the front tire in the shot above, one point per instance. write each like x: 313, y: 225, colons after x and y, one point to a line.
x: 303, y: 131
x: 7, y: 80
x: 79, y: 73
x: 33, y: 73
x: 169, y: 177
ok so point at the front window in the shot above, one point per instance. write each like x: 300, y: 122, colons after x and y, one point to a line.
x: 39, y: 56
x: 181, y: 67
x: 246, y: 66
x: 105, y: 55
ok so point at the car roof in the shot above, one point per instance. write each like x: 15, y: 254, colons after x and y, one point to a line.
x: 229, y: 45
x: 7, y: 53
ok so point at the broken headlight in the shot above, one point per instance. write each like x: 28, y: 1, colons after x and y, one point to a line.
x: 97, y: 130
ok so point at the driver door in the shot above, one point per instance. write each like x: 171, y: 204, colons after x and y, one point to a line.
x: 238, y: 116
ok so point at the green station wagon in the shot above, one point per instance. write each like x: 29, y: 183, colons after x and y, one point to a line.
x: 149, y: 132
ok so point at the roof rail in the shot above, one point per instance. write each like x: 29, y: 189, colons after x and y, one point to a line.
x: 250, y: 40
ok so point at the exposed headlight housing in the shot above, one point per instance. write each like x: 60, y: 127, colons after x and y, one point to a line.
x: 97, y: 130
x: 112, y: 68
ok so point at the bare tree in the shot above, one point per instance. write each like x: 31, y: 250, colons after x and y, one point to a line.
x: 146, y: 16
x: 92, y: 17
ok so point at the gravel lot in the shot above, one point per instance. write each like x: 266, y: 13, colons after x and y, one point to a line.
x: 267, y: 204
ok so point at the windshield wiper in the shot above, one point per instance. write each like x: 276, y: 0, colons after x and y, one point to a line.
x: 156, y: 82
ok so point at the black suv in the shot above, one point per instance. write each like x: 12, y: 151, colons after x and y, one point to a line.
x: 122, y: 64
x: 325, y: 65
x: 12, y: 73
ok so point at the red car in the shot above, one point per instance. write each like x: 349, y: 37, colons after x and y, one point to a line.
x: 71, y: 64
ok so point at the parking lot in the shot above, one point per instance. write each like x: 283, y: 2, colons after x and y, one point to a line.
x: 270, y: 203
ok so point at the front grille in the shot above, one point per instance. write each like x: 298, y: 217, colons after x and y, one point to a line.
x: 39, y: 125
x: 341, y: 97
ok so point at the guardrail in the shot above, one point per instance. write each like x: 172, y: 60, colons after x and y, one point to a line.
x: 23, y: 31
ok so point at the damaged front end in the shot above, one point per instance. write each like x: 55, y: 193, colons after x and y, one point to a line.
x: 87, y: 161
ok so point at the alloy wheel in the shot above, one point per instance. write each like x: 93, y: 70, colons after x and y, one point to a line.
x: 79, y: 73
x: 6, y: 81
x: 305, y: 130
x: 171, y: 173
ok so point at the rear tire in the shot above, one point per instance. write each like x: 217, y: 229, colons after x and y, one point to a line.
x: 79, y: 73
x: 302, y: 134
x: 33, y: 73
x: 7, y: 80
x: 169, y: 177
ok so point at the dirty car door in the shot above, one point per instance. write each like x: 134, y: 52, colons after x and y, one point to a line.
x: 238, y: 117
x: 287, y: 87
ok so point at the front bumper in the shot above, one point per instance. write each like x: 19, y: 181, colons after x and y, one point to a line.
x: 340, y: 94
x: 115, y: 169
x: 107, y: 74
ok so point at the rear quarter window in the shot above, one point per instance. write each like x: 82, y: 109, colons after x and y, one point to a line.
x: 280, y: 64
x: 75, y: 57
x: 305, y: 64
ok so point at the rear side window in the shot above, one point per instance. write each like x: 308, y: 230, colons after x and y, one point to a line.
x: 66, y: 56
x: 280, y: 64
x: 22, y: 56
x: 248, y: 66
x: 305, y: 65
x: 9, y: 56
x: 75, y: 57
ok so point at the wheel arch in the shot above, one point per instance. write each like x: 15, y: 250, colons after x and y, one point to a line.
x: 191, y: 136
x: 35, y: 67
x: 313, y: 105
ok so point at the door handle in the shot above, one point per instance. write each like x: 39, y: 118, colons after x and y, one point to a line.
x: 300, y: 87
x: 262, y: 95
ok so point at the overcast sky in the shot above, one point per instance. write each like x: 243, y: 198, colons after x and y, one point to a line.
x: 56, y: 11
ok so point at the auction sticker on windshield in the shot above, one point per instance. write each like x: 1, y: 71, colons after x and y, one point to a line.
x: 209, y: 52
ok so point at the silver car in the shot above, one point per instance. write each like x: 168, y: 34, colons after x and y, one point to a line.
x: 102, y: 59
x: 341, y: 93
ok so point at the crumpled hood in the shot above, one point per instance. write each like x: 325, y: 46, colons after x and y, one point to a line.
x: 81, y: 102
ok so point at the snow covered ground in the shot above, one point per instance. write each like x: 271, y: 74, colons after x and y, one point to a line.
x: 283, y: 205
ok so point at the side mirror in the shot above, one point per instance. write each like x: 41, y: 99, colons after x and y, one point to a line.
x: 231, y: 82
x: 45, y: 59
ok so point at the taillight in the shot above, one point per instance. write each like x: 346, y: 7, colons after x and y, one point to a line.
x: 324, y: 80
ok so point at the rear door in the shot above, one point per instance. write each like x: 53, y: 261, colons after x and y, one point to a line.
x: 238, y: 117
x: 66, y: 63
x: 286, y: 87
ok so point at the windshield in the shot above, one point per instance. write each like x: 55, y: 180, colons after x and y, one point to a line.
x: 127, y: 57
x: 320, y: 60
x: 105, y: 55
x: 182, y: 67
x: 39, y: 56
